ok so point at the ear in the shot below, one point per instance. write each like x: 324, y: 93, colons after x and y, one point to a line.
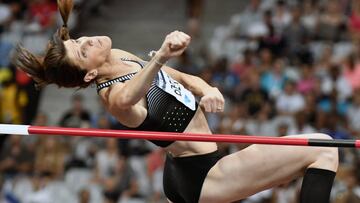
x: 90, y: 75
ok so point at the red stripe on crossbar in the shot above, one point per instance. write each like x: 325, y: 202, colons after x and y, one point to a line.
x: 150, y: 135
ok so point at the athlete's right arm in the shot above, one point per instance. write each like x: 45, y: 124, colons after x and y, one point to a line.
x: 128, y: 94
x: 131, y: 116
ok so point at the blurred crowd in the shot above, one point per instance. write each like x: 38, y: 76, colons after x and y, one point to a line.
x: 284, y: 66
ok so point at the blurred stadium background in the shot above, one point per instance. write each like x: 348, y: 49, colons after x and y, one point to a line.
x: 284, y: 66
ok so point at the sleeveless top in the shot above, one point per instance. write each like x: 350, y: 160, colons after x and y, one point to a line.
x: 167, y: 110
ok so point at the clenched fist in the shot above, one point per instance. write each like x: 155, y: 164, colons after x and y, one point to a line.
x: 213, y: 101
x: 174, y: 44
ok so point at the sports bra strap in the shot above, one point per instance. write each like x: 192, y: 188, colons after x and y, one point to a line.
x: 108, y: 83
x: 122, y: 78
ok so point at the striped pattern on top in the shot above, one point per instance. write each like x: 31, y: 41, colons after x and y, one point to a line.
x: 122, y: 78
x: 108, y: 83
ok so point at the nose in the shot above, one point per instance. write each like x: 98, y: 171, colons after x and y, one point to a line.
x: 90, y: 41
x: 86, y: 41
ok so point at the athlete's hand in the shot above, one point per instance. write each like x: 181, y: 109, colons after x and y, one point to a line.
x: 213, y: 101
x: 174, y: 44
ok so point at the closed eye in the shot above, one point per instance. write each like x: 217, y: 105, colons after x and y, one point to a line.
x: 83, y: 53
x: 76, y: 41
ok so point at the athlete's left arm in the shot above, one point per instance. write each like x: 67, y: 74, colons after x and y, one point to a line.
x: 211, y: 98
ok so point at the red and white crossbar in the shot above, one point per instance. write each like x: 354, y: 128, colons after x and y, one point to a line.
x: 150, y: 135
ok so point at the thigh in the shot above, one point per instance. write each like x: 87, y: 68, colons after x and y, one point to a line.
x: 254, y: 169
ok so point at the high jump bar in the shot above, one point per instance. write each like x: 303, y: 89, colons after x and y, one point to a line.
x: 171, y: 136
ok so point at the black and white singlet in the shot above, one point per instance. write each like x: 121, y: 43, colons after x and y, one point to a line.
x: 170, y: 107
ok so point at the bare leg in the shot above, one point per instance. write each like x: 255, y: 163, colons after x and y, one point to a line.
x: 259, y: 167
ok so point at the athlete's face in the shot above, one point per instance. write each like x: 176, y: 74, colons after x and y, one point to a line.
x: 88, y: 52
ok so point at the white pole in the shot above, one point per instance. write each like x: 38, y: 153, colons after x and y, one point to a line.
x: 14, y: 129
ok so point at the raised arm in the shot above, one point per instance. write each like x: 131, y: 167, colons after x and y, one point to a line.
x: 132, y: 91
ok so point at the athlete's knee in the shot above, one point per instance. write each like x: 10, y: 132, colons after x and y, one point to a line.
x: 327, y: 157
x: 319, y: 136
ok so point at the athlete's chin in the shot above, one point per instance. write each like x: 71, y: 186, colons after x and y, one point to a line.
x: 106, y: 45
x: 108, y: 42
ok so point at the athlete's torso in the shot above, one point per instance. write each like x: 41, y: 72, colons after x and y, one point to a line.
x: 166, y: 113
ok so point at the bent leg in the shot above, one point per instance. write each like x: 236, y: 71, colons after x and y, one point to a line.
x: 259, y: 167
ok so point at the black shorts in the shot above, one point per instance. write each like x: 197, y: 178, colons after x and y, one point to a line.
x: 184, y: 176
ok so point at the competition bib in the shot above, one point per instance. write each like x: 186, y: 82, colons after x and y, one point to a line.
x: 173, y: 87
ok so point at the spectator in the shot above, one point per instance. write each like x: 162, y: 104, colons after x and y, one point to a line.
x: 13, y: 100
x: 310, y: 109
x: 324, y: 61
x: 223, y: 79
x: 2, y: 198
x: 266, y: 60
x: 84, y: 196
x: 28, y: 86
x: 353, y: 114
x: 281, y: 17
x: 194, y: 13
x: 296, y: 34
x: 39, y: 190
x: 41, y: 23
x: 332, y: 23
x: 50, y: 157
x: 310, y: 16
x: 253, y: 97
x: 302, y: 125
x: 352, y: 71
x: 83, y: 153
x: 336, y: 81
x: 307, y: 82
x: 272, y: 40
x: 5, y: 54
x: 43, y: 12
x: 155, y: 163
x: 187, y: 64
x: 242, y: 67
x: 262, y: 123
x: 77, y: 116
x: 350, y: 183
x: 282, y: 129
x: 334, y: 127
x: 290, y: 101
x: 122, y: 185
x: 106, y: 160
x: 273, y: 80
x: 31, y: 142
x: 17, y: 7
x: 354, y: 21
x: 15, y: 157
x: 248, y: 18
x: 5, y: 15
x: 41, y: 119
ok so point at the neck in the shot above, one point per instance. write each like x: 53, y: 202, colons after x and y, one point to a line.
x: 112, y: 68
